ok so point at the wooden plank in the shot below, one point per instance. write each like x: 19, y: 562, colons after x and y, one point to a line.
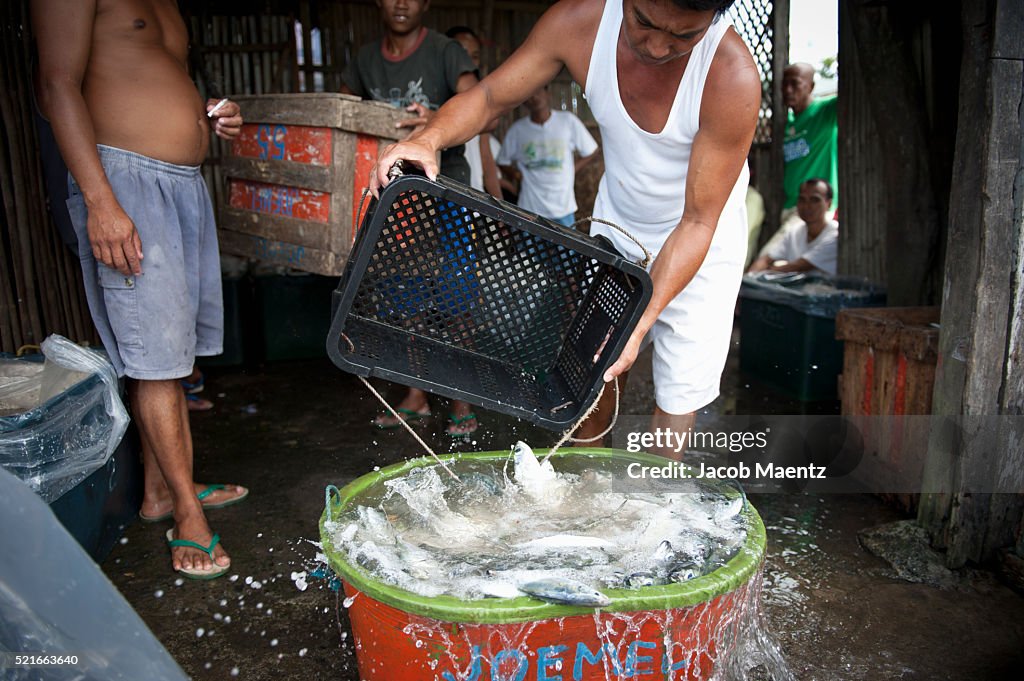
x: 278, y: 228
x: 325, y: 109
x: 1008, y: 42
x: 281, y: 253
x: 976, y: 336
x: 280, y: 172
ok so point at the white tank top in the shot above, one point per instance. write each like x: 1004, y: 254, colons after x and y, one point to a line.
x: 644, y: 183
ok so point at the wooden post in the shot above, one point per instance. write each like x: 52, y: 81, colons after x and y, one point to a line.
x: 980, y: 372
x: 882, y: 33
x: 770, y: 178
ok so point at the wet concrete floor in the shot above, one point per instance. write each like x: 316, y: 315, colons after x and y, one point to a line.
x: 287, y: 429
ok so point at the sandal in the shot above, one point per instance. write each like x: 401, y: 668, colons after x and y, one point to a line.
x: 196, y: 403
x: 406, y: 415
x: 457, y: 421
x: 193, y: 388
x: 195, y: 573
x: 210, y: 489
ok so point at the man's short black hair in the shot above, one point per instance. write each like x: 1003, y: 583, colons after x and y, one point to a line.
x: 459, y: 30
x: 719, y: 6
x: 820, y: 180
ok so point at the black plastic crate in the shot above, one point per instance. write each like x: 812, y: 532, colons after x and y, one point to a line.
x: 459, y: 294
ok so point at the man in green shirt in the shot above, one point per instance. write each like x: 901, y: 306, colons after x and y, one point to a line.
x: 810, y: 145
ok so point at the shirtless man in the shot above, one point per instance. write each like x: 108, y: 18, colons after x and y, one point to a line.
x: 677, y: 95
x: 113, y: 73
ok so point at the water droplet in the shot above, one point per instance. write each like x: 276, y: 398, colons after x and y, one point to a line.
x: 124, y: 540
x: 179, y: 581
x: 302, y: 652
x: 159, y: 593
x: 273, y: 642
x: 199, y: 632
x: 234, y: 671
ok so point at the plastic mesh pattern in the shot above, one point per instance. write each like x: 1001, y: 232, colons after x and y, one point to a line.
x: 753, y: 21
x: 474, y: 306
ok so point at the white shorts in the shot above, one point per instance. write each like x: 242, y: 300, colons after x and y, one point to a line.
x: 691, y: 339
x: 692, y: 334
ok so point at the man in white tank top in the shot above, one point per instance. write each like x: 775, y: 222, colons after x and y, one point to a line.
x: 677, y: 95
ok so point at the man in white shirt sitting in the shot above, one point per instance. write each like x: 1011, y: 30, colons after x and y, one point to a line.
x: 547, y: 148
x: 811, y: 245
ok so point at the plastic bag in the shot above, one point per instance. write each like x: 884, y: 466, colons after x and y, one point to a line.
x: 61, y: 420
x: 54, y: 600
x: 814, y: 295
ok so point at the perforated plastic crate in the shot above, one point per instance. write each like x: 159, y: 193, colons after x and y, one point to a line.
x: 462, y: 295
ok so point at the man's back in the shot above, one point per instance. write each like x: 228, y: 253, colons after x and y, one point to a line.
x: 136, y: 84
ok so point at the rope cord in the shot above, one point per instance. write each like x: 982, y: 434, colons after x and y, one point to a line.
x: 399, y: 418
x: 566, y: 437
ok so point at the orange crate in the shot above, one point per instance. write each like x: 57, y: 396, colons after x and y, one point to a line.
x: 296, y: 174
x: 889, y: 371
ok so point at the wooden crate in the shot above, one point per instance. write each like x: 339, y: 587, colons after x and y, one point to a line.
x: 296, y: 174
x: 889, y: 371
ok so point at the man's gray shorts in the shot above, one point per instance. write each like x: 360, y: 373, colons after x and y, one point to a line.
x: 155, y: 324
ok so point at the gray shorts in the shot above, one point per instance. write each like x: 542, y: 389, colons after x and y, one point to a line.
x: 155, y: 324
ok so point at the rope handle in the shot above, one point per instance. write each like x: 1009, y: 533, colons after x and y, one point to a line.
x: 327, y: 498
x: 645, y: 261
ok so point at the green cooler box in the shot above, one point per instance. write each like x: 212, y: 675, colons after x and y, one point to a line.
x: 788, y: 330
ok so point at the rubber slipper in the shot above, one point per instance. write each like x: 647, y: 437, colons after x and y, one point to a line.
x: 408, y: 414
x: 193, y: 388
x: 210, y: 489
x: 196, y: 403
x: 195, y: 573
x: 457, y: 421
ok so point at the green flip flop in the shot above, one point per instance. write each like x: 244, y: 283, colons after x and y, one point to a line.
x: 193, y: 573
x: 457, y: 421
x: 210, y: 489
x: 409, y: 414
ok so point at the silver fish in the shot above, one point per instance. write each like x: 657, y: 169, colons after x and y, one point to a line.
x: 566, y: 592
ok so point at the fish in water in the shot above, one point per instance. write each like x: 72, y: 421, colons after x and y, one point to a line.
x: 565, y: 541
x: 565, y: 591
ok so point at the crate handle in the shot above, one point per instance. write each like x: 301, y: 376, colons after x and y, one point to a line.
x: 645, y: 261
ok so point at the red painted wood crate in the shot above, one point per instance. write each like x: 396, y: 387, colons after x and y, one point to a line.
x: 296, y: 174
x: 889, y: 371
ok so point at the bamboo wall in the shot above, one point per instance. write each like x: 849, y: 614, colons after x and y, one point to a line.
x: 40, y: 281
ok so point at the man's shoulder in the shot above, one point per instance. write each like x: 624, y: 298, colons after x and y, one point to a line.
x: 370, y: 50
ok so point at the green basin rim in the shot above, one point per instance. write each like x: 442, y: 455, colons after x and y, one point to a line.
x: 727, y: 578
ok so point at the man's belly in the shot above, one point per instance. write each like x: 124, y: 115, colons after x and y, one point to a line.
x: 156, y: 112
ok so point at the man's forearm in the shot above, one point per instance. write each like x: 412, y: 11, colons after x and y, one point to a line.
x: 676, y: 265
x: 460, y: 119
x: 76, y: 138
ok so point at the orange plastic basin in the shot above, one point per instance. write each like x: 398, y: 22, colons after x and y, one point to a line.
x: 676, y: 631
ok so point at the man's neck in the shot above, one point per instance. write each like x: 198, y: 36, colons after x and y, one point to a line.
x: 799, y: 109
x: 540, y: 117
x: 399, y: 45
x: 816, y: 228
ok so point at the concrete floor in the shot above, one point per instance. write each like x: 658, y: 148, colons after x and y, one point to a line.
x: 288, y: 429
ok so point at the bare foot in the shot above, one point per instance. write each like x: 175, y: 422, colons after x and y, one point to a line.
x: 414, y: 406
x: 196, y: 530
x: 161, y: 507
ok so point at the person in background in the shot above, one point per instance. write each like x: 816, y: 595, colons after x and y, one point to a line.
x: 109, y: 69
x: 810, y: 148
x: 812, y: 244
x: 418, y: 69
x: 545, y: 150
x: 482, y: 149
x: 676, y: 95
